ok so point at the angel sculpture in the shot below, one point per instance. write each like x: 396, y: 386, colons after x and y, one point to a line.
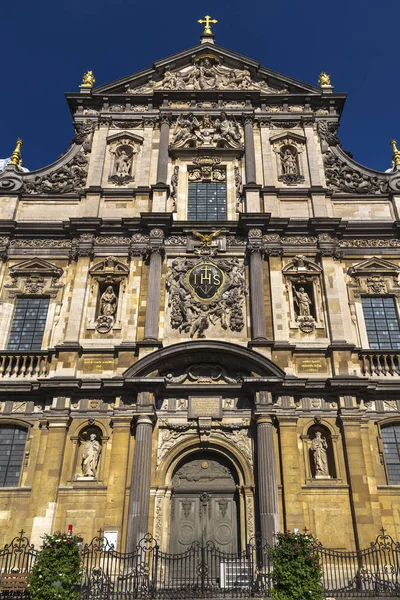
x: 206, y: 238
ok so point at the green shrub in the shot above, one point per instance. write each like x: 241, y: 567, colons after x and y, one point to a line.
x: 56, y: 574
x: 296, y: 567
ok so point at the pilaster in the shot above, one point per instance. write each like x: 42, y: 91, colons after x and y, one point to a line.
x: 153, y: 295
x: 291, y: 472
x: 363, y: 495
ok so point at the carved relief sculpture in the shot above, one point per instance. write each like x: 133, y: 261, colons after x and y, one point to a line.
x: 194, y: 132
x: 204, y: 294
x: 319, y: 448
x: 91, y: 456
x: 207, y: 73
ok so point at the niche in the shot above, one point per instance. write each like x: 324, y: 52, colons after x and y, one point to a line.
x: 109, y: 278
x: 321, y: 453
x: 89, y: 451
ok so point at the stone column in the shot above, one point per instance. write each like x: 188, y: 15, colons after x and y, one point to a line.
x: 154, y: 283
x: 258, y: 326
x: 249, y: 152
x: 267, y: 480
x: 162, y: 165
x: 139, y: 500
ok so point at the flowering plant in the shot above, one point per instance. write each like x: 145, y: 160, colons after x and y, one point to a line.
x: 296, y: 569
x: 56, y: 574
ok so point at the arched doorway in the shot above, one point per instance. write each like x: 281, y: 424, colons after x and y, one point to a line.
x: 204, y: 503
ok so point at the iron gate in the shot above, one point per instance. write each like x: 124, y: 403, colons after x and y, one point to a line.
x: 200, y: 571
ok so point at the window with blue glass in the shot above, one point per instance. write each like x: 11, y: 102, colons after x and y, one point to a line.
x: 28, y: 324
x: 391, y: 448
x: 382, y: 322
x: 12, y: 447
x: 207, y: 201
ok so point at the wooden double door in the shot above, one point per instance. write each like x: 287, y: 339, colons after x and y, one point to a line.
x: 204, y: 504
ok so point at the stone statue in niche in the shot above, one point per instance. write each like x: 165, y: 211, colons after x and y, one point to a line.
x: 123, y: 163
x: 289, y: 162
x: 319, y: 447
x: 108, y: 307
x: 121, y: 173
x: 91, y: 456
x: 108, y: 302
x: 303, y: 302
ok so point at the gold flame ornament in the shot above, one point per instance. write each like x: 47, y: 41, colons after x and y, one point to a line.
x: 324, y: 79
x: 207, y: 22
x: 88, y: 79
x: 396, y: 153
x: 16, y: 155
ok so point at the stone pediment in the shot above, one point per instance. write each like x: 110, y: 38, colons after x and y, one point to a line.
x: 204, y: 68
x: 374, y: 266
x: 35, y: 267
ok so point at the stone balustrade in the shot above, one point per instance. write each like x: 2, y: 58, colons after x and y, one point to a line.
x: 380, y: 363
x: 24, y: 365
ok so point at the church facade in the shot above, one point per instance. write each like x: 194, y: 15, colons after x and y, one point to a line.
x: 199, y: 324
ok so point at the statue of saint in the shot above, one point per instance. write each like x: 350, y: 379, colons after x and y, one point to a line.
x: 108, y: 302
x: 303, y: 302
x: 319, y: 448
x: 123, y: 163
x: 90, y: 456
x: 289, y: 163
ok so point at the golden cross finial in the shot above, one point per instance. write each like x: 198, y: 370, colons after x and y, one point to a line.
x: 396, y: 152
x: 16, y: 155
x: 207, y: 21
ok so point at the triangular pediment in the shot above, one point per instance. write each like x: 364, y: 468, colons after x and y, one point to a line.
x: 35, y: 267
x: 206, y: 67
x: 374, y: 265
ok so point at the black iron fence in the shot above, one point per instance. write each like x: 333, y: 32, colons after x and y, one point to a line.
x: 207, y: 572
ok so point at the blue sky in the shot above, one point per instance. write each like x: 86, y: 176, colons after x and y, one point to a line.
x: 46, y: 46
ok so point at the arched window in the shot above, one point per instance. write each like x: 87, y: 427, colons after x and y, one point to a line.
x: 391, y: 449
x: 12, y: 445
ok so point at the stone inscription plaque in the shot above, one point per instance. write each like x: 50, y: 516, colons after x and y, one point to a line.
x: 98, y: 365
x: 205, y: 406
x: 311, y: 364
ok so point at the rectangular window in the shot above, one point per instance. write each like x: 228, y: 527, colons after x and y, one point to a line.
x: 391, y: 448
x: 12, y: 445
x: 28, y: 324
x: 382, y: 322
x: 207, y: 201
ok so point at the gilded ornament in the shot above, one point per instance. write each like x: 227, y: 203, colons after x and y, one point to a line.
x: 16, y: 155
x: 207, y: 21
x: 88, y: 79
x: 396, y: 152
x: 206, y: 239
x: 324, y: 79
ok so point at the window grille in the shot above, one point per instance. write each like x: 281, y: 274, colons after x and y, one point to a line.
x: 382, y: 322
x: 28, y: 324
x: 207, y: 201
x: 12, y: 446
